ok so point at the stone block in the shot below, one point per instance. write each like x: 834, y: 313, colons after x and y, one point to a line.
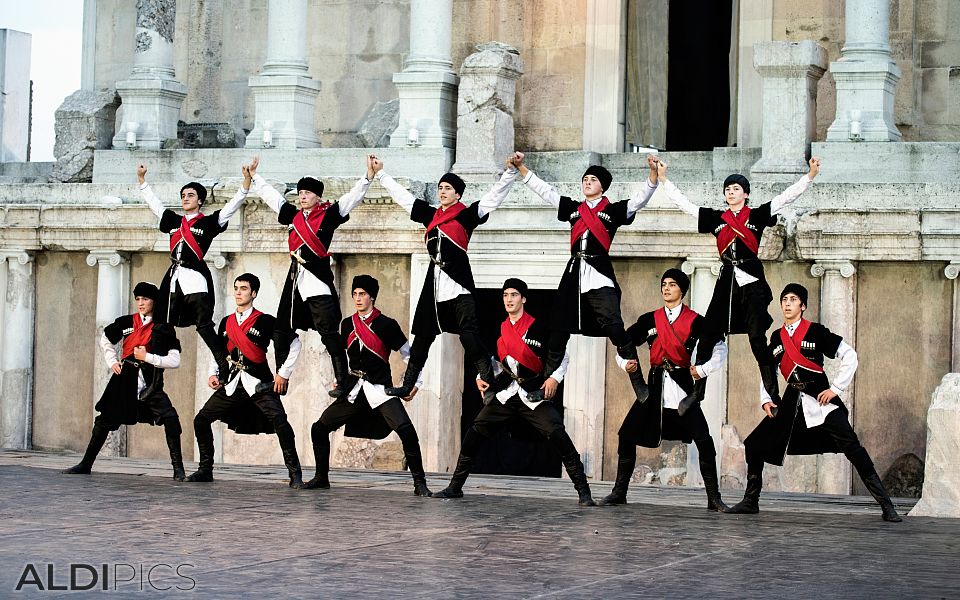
x: 208, y: 135
x: 941, y: 484
x: 84, y: 123
x: 381, y: 121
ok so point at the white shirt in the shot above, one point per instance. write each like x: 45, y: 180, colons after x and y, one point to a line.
x: 249, y: 381
x: 375, y: 393
x: 446, y: 288
x: 590, y: 278
x: 191, y: 282
x: 308, y: 284
x: 815, y: 413
x: 672, y: 393
x: 111, y: 354
x: 781, y: 201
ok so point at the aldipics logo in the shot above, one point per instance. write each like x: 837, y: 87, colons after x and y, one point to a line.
x: 75, y: 577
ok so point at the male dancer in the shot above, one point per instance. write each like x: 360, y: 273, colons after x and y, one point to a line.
x: 249, y: 403
x: 369, y: 336
x: 672, y: 333
x: 588, y: 299
x: 186, y: 292
x: 135, y: 393
x: 522, y: 350
x: 811, y: 418
x: 741, y: 295
x: 446, y: 300
x: 309, y: 299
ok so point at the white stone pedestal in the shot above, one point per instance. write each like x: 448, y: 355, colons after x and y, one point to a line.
x: 941, y: 477
x: 285, y: 107
x: 16, y: 355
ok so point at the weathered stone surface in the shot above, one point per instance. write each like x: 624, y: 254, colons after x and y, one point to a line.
x: 904, y: 478
x: 381, y: 121
x: 84, y: 123
x: 208, y: 135
x: 941, y: 483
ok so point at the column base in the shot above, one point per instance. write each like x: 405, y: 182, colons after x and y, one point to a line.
x: 868, y: 87
x: 154, y: 105
x: 428, y: 103
x: 285, y: 107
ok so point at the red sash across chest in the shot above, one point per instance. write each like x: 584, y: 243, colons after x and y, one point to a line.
x: 140, y: 336
x: 589, y: 221
x: 445, y: 220
x: 792, y: 357
x: 184, y: 233
x: 305, y: 230
x: 237, y: 338
x: 511, y: 343
x: 672, y: 337
x: 362, y: 330
x: 737, y: 229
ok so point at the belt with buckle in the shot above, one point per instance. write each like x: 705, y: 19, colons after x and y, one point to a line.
x: 737, y: 261
x: 295, y: 255
x: 359, y: 374
x: 585, y: 255
x: 669, y: 366
x: 797, y: 385
x: 436, y: 261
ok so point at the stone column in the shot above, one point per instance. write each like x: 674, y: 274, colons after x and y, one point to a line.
x: 113, y: 300
x: 151, y: 96
x: 838, y: 312
x: 703, y: 274
x: 488, y: 85
x: 790, y: 72
x: 953, y: 272
x: 604, y: 83
x: 427, y: 86
x: 284, y: 93
x: 16, y: 361
x: 218, y: 265
x: 866, y: 76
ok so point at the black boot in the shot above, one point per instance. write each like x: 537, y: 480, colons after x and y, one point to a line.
x: 460, y: 474
x: 879, y: 493
x: 554, y: 358
x: 218, y: 349
x: 341, y: 372
x: 629, y: 352
x: 413, y: 459
x: 625, y: 466
x: 711, y: 482
x: 750, y: 505
x: 204, y: 472
x: 409, y: 380
x: 97, y: 439
x: 172, y: 431
x: 321, y: 453
x: 768, y: 375
x: 292, y: 462
x: 694, y: 397
x: 574, y: 468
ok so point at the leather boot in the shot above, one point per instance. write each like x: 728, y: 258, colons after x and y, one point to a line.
x: 292, y: 462
x: 629, y: 352
x: 711, y: 482
x: 341, y: 372
x: 768, y: 375
x: 694, y: 397
x: 625, y: 466
x: 321, y: 454
x: 409, y: 380
x: 415, y: 464
x: 750, y: 505
x: 460, y: 474
x: 176, y: 456
x: 97, y: 439
x: 204, y: 472
x: 574, y: 468
x: 218, y: 349
x: 879, y: 493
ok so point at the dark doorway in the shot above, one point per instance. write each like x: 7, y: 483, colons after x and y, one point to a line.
x: 698, y: 79
x: 517, y: 448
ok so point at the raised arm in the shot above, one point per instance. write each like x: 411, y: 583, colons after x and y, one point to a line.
x: 537, y: 185
x: 148, y: 196
x: 675, y: 195
x: 790, y: 195
x: 400, y: 194
x: 231, y: 208
x: 264, y: 190
x: 492, y: 200
x: 354, y: 197
x: 641, y: 197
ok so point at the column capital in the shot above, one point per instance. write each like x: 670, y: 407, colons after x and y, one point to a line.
x: 845, y: 267
x: 217, y: 261
x: 952, y: 271
x: 111, y: 257
x: 693, y: 263
x: 21, y: 256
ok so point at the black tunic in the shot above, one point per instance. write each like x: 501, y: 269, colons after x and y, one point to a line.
x: 530, y: 380
x: 120, y: 403
x: 292, y: 311
x: 787, y: 432
x: 569, y: 314
x: 204, y: 230
x: 720, y: 310
x: 456, y: 263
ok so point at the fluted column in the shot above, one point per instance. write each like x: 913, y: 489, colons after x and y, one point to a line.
x: 703, y: 274
x: 16, y: 354
x: 113, y: 300
x: 218, y: 264
x: 838, y: 312
x: 866, y: 76
x: 284, y: 94
x: 151, y: 96
x: 953, y: 272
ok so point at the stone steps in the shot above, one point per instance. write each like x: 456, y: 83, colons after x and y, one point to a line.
x: 631, y: 167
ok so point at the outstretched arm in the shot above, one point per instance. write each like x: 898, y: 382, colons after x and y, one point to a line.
x: 148, y: 196
x: 354, y: 197
x: 539, y: 186
x: 641, y: 197
x: 231, y: 208
x: 400, y: 194
x: 264, y: 190
x: 675, y: 195
x: 492, y: 200
x: 790, y: 195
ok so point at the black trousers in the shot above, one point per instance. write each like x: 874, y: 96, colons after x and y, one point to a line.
x: 692, y: 425
x: 545, y: 418
x: 220, y: 406
x: 458, y: 315
x: 325, y: 317
x: 604, y: 303
x: 747, y: 312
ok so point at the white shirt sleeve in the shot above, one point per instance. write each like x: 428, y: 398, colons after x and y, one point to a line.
x: 267, y: 193
x: 231, y: 208
x: 354, y: 197
x: 848, y: 367
x: 286, y: 369
x: 492, y: 200
x: 212, y: 368
x: 640, y: 197
x: 542, y: 189
x: 716, y: 361
x: 405, y: 355
x: 151, y: 199
x: 561, y: 371
x: 621, y: 362
x: 400, y: 194
x: 109, y: 350
x: 790, y: 195
x: 170, y: 361
x: 764, y: 396
x: 681, y: 202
